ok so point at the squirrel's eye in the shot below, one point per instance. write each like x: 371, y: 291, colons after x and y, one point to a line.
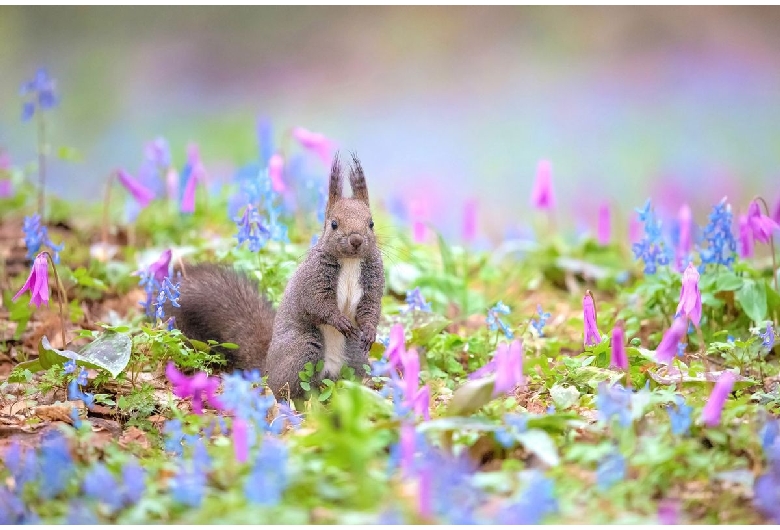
x: 334, y: 225
x: 371, y: 224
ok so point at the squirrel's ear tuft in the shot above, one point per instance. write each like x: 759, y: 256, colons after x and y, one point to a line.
x: 335, y: 189
x: 358, y: 181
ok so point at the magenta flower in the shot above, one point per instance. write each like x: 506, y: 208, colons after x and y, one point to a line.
x: 194, y: 387
x: 690, y: 297
x: 542, y: 196
x: 604, y: 228
x: 6, y: 188
x: 634, y: 230
x: 240, y: 439
x: 509, y: 367
x: 592, y: 335
x: 142, y: 195
x: 776, y: 215
x: 188, y: 198
x: 619, y: 357
x: 159, y: 269
x: 172, y: 183
x: 685, y: 242
x: 669, y: 512
x: 470, y: 221
x: 37, y: 283
x: 315, y: 142
x: 396, y: 346
x: 419, y: 212
x: 275, y: 168
x: 745, y: 238
x: 761, y: 225
x: 407, y: 444
x: 711, y: 412
x: 414, y: 397
x: 667, y: 349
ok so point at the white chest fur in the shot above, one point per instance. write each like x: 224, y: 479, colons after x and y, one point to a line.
x: 348, y: 295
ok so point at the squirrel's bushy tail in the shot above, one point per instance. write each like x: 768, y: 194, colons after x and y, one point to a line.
x: 222, y: 304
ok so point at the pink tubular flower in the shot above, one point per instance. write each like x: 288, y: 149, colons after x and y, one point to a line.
x: 188, y: 198
x: 619, y: 357
x: 669, y: 512
x: 634, y: 230
x: 240, y: 439
x: 776, y: 215
x: 161, y: 267
x: 690, y: 297
x: 418, y: 210
x: 711, y: 412
x: 745, y: 238
x: 470, y: 221
x: 414, y: 396
x: 542, y: 196
x: 592, y: 335
x: 315, y: 142
x: 667, y: 349
x: 275, y: 167
x: 142, y: 195
x: 604, y: 229
x: 396, y: 346
x: 194, y: 387
x: 761, y: 225
x: 172, y: 183
x: 685, y: 242
x: 509, y: 367
x: 37, y: 283
x: 407, y: 443
x: 6, y: 189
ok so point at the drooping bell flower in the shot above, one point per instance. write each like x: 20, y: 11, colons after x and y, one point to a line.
x: 745, y: 238
x: 543, y: 196
x: 188, y: 198
x: 194, y: 387
x: 761, y: 225
x: 509, y: 367
x: 275, y: 168
x: 604, y: 228
x: 470, y: 221
x: 592, y: 335
x: 667, y: 349
x: 159, y: 269
x: 415, y: 397
x: 318, y: 143
x: 690, y: 297
x: 395, y: 346
x: 142, y: 195
x: 37, y: 283
x: 619, y: 357
x: 711, y: 412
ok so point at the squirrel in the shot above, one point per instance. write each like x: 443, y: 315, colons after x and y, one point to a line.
x: 329, y: 310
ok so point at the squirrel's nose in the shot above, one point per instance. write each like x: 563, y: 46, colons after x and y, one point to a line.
x: 355, y: 240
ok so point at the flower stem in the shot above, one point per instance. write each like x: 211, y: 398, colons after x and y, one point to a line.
x: 771, y: 242
x: 106, y: 204
x: 64, y: 296
x: 41, y: 165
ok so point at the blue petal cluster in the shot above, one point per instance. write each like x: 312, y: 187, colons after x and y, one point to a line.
x: 36, y: 236
x: 652, y: 249
x: 721, y: 246
x: 494, y: 322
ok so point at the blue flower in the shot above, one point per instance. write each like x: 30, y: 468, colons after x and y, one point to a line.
x: 201, y: 461
x: 56, y: 464
x: 416, y: 301
x: 173, y: 436
x: 539, y: 324
x: 75, y: 393
x: 36, y: 236
x: 252, y: 229
x: 611, y: 469
x: 43, y: 89
x: 188, y: 486
x: 80, y: 513
x: 614, y: 401
x: 133, y: 482
x: 268, y: 479
x: 70, y: 366
x: 766, y: 494
x: 652, y: 249
x: 13, y: 510
x: 494, y: 321
x: 322, y: 201
x: 169, y: 292
x: 101, y: 485
x: 537, y: 501
x: 82, y: 378
x: 22, y: 464
x: 681, y: 349
x: 265, y: 140
x: 769, y: 337
x: 721, y: 245
x: 680, y: 416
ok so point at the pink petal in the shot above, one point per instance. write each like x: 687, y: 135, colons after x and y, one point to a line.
x: 542, y: 196
x: 240, y: 439
x: 470, y: 221
x: 619, y: 357
x: 712, y: 411
x: 604, y: 227
x: 142, y: 195
x: 275, y: 167
x: 188, y: 199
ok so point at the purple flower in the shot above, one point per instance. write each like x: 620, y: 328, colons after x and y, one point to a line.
x: 188, y: 487
x: 538, y: 325
x: 251, y: 228
x: 669, y: 512
x: 37, y: 283
x: 74, y: 393
x: 614, y: 400
x: 160, y: 268
x: 268, y: 479
x: 592, y: 335
x: 711, y: 412
x: 43, y: 88
x: 315, y: 142
x: 415, y: 397
x: 240, y: 439
x: 604, y: 228
x: 619, y: 358
x: 37, y: 235
x: 542, y: 196
x: 70, y: 366
x: 396, y: 347
x: 769, y: 337
x: 275, y: 170
x: 142, y: 195
x: 194, y: 387
x: 416, y: 301
x: 470, y: 221
x: 690, y: 297
x: 680, y: 416
x: 188, y: 198
x: 668, y: 347
x: 101, y: 485
x: 761, y: 225
x: 509, y: 367
x: 82, y: 378
x: 494, y: 321
x: 776, y: 215
x: 745, y: 238
x: 766, y: 494
x: 611, y: 469
x: 685, y: 240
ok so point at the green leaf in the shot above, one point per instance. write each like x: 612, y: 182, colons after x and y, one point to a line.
x: 68, y: 154
x: 541, y: 444
x: 110, y: 352
x: 199, y: 345
x: 752, y: 298
x: 728, y: 281
x: 422, y: 335
x: 471, y: 397
x: 22, y: 372
x: 306, y: 386
x: 229, y: 346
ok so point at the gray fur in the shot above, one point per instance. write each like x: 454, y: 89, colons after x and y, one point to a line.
x: 221, y: 304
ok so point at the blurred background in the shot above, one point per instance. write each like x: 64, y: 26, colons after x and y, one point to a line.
x: 448, y: 103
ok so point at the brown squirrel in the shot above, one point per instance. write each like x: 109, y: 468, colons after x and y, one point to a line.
x: 329, y: 310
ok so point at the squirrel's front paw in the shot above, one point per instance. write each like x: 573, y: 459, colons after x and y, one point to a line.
x: 346, y: 327
x: 368, y: 338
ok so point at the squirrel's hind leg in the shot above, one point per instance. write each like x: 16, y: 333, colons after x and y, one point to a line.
x: 287, y: 357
